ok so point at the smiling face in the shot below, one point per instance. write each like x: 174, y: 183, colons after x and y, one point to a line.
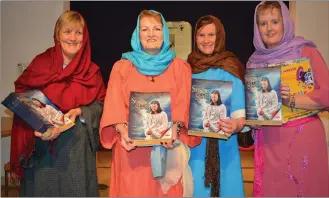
x: 270, y: 26
x: 264, y: 85
x: 154, y: 107
x: 214, y: 98
x: 70, y: 37
x: 206, y: 39
x: 151, y: 35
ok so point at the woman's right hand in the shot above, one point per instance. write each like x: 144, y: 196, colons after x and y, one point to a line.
x: 206, y: 124
x: 49, y: 135
x: 126, y: 142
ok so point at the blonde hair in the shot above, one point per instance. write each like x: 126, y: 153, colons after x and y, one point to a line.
x: 69, y: 17
x: 268, y: 5
x: 147, y: 13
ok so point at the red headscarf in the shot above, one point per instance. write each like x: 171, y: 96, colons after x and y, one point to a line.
x: 80, y: 83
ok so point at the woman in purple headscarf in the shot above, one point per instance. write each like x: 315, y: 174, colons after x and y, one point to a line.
x: 291, y: 160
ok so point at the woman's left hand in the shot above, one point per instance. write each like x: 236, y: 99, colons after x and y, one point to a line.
x: 229, y: 126
x: 49, y: 135
x: 73, y: 114
x: 174, y: 137
x: 285, y: 94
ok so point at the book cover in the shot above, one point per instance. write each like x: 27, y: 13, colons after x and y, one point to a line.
x: 37, y: 110
x: 150, y: 119
x: 263, y: 98
x: 298, y: 74
x: 210, y: 101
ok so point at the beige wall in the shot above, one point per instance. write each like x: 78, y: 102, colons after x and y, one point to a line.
x: 312, y: 22
x: 26, y: 30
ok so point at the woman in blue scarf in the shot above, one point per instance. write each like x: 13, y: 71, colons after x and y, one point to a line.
x: 215, y: 164
x: 150, y: 67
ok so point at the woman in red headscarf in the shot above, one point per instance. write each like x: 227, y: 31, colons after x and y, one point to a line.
x: 62, y: 164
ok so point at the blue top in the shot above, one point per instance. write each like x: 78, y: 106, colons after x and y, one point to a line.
x: 231, y: 181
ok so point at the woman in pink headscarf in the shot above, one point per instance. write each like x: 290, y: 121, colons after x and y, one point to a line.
x: 291, y: 160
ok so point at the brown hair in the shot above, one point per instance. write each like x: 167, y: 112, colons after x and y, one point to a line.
x: 268, y: 5
x: 159, y: 110
x: 147, y: 13
x: 203, y: 22
x: 269, y: 87
x: 219, y: 100
x: 220, y: 58
x: 69, y: 17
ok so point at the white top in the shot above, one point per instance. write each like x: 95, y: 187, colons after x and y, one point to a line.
x: 268, y: 103
x: 157, y: 123
x: 212, y: 114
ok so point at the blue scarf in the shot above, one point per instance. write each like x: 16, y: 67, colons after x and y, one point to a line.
x: 146, y: 64
x: 152, y: 65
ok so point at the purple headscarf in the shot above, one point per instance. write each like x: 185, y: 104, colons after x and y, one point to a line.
x: 290, y: 47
